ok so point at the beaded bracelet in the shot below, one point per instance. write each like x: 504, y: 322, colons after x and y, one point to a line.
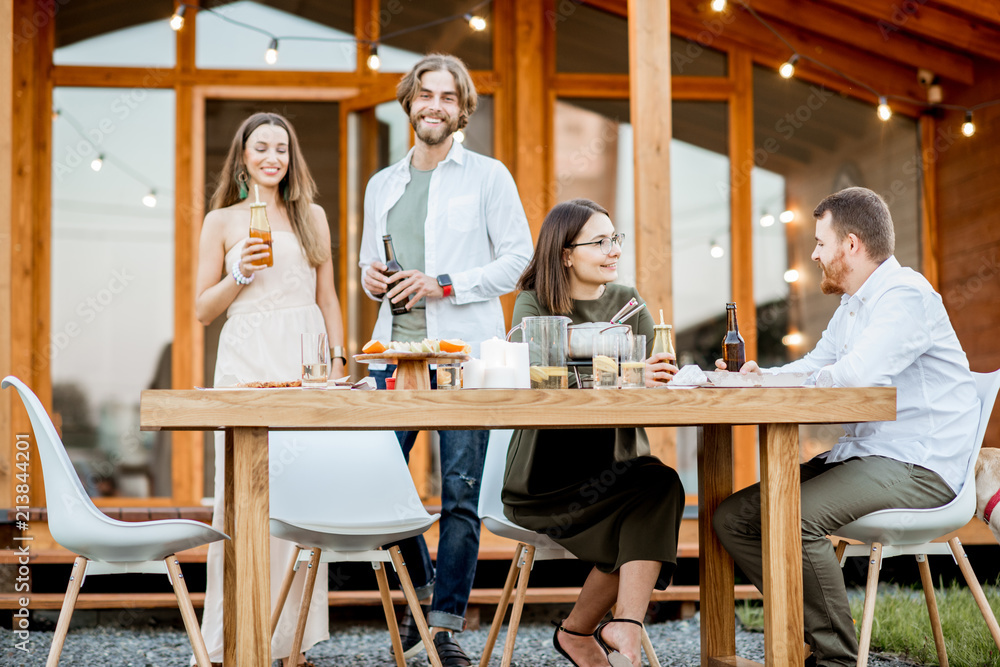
x: 239, y: 277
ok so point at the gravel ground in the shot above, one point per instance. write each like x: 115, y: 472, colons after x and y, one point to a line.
x: 358, y: 645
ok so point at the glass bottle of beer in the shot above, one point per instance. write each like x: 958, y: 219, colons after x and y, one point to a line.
x: 391, y: 268
x: 733, y: 349
x: 261, y: 229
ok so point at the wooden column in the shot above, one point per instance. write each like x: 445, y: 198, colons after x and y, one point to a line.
x: 930, y: 249
x: 741, y: 235
x: 188, y: 348
x: 6, y: 181
x: 533, y: 61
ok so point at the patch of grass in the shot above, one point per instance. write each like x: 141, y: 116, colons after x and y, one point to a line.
x: 902, y: 627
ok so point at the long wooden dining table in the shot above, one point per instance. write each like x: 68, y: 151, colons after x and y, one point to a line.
x: 248, y: 415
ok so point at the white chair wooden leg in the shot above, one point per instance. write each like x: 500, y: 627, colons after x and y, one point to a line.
x: 932, y: 609
x: 977, y: 590
x: 390, y: 613
x: 411, y: 599
x: 66, y: 613
x: 515, y: 612
x: 307, y: 591
x: 187, y: 611
x: 871, y: 590
x: 286, y: 585
x: 647, y: 646
x: 508, y: 588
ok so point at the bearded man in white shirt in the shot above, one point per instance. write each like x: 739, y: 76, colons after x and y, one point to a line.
x: 891, y: 330
x: 460, y: 234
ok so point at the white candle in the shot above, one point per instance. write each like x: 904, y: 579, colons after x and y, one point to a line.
x: 499, y: 377
x: 472, y: 374
x: 492, y: 352
x: 517, y: 358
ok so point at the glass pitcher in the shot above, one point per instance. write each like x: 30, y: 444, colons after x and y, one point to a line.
x: 548, y: 341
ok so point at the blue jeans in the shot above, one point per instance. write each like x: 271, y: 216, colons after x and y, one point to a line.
x: 463, y: 454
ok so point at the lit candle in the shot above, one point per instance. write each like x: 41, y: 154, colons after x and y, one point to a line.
x: 492, y: 352
x: 472, y: 374
x: 517, y: 358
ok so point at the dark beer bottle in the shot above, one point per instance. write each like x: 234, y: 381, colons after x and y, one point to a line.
x: 391, y: 268
x: 733, y: 351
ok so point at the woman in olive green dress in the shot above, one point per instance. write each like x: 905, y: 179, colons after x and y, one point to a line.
x: 597, y: 492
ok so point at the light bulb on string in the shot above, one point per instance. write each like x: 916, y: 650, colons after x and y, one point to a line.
x: 766, y: 220
x: 968, y: 127
x: 884, y: 112
x: 791, y: 275
x: 793, y: 339
x: 177, y: 20
x: 97, y: 162
x: 150, y: 199
x: 374, y: 62
x: 787, y: 216
x: 477, y: 23
x: 716, y: 251
x: 787, y: 69
x: 718, y: 5
x: 459, y: 136
x: 271, y: 55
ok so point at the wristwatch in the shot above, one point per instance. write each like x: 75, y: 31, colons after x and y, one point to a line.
x: 444, y: 280
x: 337, y: 352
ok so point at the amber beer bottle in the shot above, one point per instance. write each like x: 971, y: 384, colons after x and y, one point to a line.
x: 733, y: 350
x: 391, y: 268
x: 261, y: 229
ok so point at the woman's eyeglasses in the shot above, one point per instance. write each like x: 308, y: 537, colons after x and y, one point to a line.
x: 605, y: 243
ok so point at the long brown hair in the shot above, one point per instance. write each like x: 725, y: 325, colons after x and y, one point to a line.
x: 297, y: 188
x: 546, y: 272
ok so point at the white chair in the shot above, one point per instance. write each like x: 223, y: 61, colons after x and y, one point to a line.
x: 340, y: 497
x: 102, y: 544
x: 898, y: 532
x: 531, y: 547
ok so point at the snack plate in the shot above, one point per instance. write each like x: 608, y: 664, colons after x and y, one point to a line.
x: 390, y: 356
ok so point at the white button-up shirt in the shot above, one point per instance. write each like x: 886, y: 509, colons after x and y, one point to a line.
x: 475, y: 231
x: 894, y: 331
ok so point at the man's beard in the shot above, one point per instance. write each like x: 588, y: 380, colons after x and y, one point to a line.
x: 436, y: 135
x: 834, y: 275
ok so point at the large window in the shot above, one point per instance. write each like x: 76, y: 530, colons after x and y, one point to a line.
x: 140, y: 35
x: 112, y: 281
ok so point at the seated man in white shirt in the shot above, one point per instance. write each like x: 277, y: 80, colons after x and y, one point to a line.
x: 891, y: 330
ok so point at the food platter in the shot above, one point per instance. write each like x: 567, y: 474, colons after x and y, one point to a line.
x: 412, y: 368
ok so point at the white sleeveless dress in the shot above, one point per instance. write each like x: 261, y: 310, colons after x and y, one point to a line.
x: 260, y: 342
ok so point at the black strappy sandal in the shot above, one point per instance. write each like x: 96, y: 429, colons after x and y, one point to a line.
x: 615, y: 657
x: 555, y: 640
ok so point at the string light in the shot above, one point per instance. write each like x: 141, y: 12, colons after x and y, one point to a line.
x: 97, y: 162
x: 716, y: 250
x: 786, y: 216
x: 793, y: 339
x: 766, y: 220
x: 459, y: 136
x: 884, y: 112
x: 787, y: 69
x: 968, y: 127
x: 271, y: 55
x: 477, y: 23
x: 150, y: 199
x: 719, y: 5
x: 374, y: 62
x: 791, y: 275
x: 177, y: 20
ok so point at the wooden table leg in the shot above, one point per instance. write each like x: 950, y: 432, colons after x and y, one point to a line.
x: 247, y: 580
x: 715, y: 567
x: 781, y: 535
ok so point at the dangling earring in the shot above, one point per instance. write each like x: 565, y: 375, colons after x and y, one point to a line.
x: 241, y: 179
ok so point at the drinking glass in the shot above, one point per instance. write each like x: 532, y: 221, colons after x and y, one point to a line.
x: 315, y: 361
x: 607, y: 348
x: 449, y: 376
x: 633, y: 364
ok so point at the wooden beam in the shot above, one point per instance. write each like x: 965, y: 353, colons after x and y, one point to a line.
x: 930, y: 248
x: 923, y: 20
x: 616, y: 86
x: 984, y: 12
x: 7, y: 52
x: 533, y: 64
x: 867, y: 36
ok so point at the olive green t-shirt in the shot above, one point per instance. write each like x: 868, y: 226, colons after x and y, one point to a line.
x: 406, y: 225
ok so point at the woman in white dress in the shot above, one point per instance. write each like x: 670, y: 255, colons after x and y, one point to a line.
x: 267, y: 308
